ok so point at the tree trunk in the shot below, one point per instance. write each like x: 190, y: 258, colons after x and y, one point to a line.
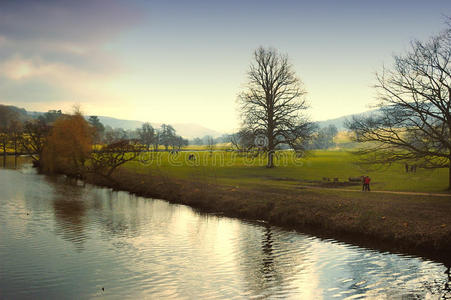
x: 449, y: 175
x: 270, y: 163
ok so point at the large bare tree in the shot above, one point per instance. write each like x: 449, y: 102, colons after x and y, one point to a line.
x: 413, y: 123
x: 273, y: 103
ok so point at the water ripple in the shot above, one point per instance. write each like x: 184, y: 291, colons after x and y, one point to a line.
x: 59, y: 239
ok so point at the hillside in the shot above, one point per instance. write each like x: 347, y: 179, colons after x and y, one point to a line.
x: 189, y: 130
x: 340, y: 122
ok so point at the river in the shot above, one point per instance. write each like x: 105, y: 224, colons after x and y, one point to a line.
x: 62, y: 239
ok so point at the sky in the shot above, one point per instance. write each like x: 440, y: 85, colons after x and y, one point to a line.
x: 186, y: 61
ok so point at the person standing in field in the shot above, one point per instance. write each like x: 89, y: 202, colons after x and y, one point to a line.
x: 366, y: 183
x: 363, y: 183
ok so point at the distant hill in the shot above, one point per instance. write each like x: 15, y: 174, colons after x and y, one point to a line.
x: 120, y: 123
x: 187, y: 130
x: 340, y: 122
x: 19, y: 112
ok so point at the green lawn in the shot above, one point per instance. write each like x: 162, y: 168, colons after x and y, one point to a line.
x: 230, y: 168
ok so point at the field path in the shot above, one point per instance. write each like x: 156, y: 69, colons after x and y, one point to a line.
x: 383, y: 192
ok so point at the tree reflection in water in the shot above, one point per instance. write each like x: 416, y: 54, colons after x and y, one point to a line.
x: 78, y: 238
x: 447, y: 288
x: 268, y: 259
x: 69, y: 209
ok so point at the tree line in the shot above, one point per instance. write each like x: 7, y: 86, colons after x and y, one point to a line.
x: 74, y: 145
x: 20, y: 133
x: 149, y: 136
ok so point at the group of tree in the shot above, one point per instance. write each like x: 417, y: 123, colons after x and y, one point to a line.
x: 207, y: 139
x: 19, y: 133
x: 323, y: 138
x: 72, y: 144
x: 165, y: 136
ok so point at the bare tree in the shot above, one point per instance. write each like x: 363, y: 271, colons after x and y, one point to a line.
x: 146, y: 135
x: 414, y: 121
x: 243, y: 140
x: 156, y: 141
x: 273, y: 102
x: 4, y: 141
x: 167, y: 134
x: 180, y: 142
x: 112, y: 156
x: 34, y: 138
x: 15, y: 135
x: 7, y: 117
x: 211, y: 144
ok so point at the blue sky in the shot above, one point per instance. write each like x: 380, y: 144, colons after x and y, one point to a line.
x: 186, y: 61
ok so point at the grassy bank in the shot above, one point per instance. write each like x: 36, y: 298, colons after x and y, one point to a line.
x: 407, y: 223
x: 232, y: 169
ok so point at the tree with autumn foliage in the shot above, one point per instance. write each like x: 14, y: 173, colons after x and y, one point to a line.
x: 68, y: 145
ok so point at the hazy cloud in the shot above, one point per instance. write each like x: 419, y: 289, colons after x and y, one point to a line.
x: 59, y: 44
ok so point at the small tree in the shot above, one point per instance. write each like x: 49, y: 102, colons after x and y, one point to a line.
x: 15, y: 135
x: 114, y: 135
x: 166, y: 137
x: 180, y: 142
x: 34, y: 138
x: 243, y: 140
x: 146, y: 135
x: 156, y: 140
x: 324, y: 137
x: 273, y: 102
x: 414, y: 121
x: 211, y: 145
x: 112, y: 156
x: 197, y: 141
x: 99, y: 128
x: 68, y: 146
x: 7, y: 117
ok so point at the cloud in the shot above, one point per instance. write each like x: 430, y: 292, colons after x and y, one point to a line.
x: 69, y: 32
x: 56, y: 51
x: 86, y: 22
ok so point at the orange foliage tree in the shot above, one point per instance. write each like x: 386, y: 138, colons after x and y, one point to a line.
x: 68, y: 146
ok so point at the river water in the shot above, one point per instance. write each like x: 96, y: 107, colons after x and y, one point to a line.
x: 61, y: 239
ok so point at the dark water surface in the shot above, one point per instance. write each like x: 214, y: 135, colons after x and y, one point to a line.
x: 62, y: 239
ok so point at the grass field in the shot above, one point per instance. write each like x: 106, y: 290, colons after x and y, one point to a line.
x: 230, y: 168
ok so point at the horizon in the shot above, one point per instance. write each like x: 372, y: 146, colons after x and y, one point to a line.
x: 186, y: 63
x: 218, y: 133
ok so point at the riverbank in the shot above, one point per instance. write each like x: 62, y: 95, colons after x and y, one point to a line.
x: 412, y: 224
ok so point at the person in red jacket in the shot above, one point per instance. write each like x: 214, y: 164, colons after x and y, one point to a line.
x: 366, y: 183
